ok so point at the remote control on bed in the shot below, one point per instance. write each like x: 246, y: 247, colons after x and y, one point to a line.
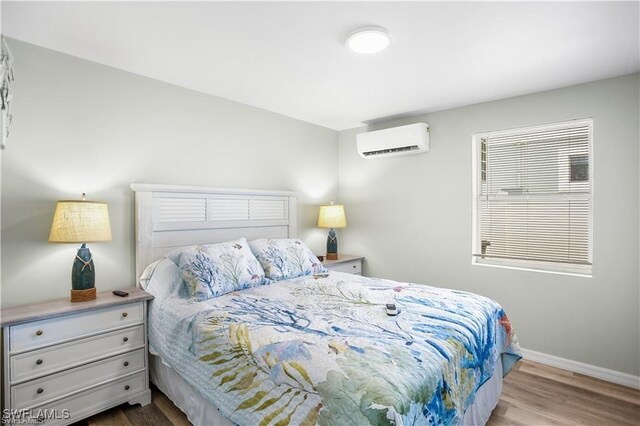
x: 391, y: 309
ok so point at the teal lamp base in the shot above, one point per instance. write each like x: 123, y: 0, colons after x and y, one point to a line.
x: 83, y: 276
x: 332, y: 245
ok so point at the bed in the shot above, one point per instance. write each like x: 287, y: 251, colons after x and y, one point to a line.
x: 308, y: 350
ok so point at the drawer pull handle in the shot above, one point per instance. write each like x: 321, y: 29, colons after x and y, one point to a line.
x: 126, y: 387
x: 354, y: 266
x: 39, y: 362
x: 126, y: 363
x: 125, y: 339
x: 39, y: 333
x: 124, y: 314
x: 40, y: 390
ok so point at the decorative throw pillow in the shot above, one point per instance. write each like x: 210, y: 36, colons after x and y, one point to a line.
x: 284, y: 258
x: 215, y: 269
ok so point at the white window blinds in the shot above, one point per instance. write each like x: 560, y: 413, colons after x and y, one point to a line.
x: 532, y: 197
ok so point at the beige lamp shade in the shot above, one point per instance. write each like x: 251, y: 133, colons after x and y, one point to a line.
x: 76, y: 221
x: 332, y: 216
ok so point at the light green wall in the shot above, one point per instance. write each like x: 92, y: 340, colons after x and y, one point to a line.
x: 411, y: 217
x: 84, y: 127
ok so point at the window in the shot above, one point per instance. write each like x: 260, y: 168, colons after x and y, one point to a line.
x: 532, y: 198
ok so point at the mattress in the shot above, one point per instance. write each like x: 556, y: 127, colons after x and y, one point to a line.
x: 307, y: 351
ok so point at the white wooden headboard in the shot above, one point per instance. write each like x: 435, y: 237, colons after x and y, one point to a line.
x: 171, y: 216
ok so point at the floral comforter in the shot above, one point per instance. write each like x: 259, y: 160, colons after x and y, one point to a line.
x: 323, y: 351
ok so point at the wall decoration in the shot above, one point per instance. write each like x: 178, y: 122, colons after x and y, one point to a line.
x: 6, y: 94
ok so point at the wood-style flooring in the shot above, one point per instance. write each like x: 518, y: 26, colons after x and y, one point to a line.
x: 533, y: 394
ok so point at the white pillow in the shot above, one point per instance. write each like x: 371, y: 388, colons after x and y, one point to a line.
x: 162, y: 279
x: 148, y: 273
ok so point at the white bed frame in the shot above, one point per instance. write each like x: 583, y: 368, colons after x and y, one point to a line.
x: 171, y: 216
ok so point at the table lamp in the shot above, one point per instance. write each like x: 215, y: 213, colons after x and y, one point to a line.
x: 332, y: 216
x: 81, y: 221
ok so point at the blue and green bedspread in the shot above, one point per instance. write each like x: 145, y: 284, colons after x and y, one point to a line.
x: 323, y: 351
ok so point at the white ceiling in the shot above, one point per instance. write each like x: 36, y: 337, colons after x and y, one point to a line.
x: 290, y: 57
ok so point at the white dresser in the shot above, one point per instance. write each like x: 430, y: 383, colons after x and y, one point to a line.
x: 345, y: 263
x: 65, y: 361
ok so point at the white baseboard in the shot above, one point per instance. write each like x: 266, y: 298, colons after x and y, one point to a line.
x: 606, y: 374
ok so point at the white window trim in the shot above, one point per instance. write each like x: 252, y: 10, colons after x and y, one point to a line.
x: 585, y: 271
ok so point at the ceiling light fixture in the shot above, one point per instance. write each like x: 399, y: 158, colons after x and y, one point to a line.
x: 368, y: 40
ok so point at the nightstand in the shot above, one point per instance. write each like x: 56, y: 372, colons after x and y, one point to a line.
x: 65, y: 361
x: 345, y: 263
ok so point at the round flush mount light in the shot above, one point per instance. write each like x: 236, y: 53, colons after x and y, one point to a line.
x: 368, y: 40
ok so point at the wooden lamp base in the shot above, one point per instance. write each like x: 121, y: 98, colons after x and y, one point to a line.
x: 83, y: 295
x: 331, y: 256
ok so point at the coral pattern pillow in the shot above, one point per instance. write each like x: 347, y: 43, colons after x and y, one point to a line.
x: 284, y: 258
x: 215, y: 269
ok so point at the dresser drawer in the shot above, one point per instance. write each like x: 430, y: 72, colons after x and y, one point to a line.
x: 49, y: 360
x: 36, y: 391
x: 85, y: 403
x: 46, y: 332
x: 351, y: 267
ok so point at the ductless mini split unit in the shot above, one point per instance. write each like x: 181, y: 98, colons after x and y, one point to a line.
x: 402, y: 140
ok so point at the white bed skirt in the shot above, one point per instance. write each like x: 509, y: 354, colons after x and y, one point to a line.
x: 202, y: 413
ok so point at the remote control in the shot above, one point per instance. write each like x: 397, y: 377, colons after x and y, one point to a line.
x: 391, y: 309
x: 322, y: 275
x: 120, y: 293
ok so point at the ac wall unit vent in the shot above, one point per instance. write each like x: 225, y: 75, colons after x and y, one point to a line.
x: 402, y: 140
